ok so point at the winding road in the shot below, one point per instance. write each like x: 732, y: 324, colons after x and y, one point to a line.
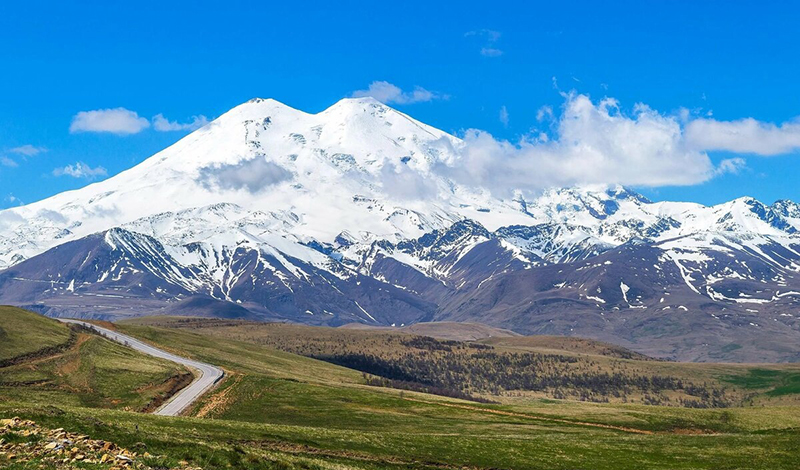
x: 206, y: 377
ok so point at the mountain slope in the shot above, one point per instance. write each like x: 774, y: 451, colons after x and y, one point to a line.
x: 46, y: 363
x: 352, y: 215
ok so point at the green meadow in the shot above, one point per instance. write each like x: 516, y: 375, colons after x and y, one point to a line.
x: 279, y: 410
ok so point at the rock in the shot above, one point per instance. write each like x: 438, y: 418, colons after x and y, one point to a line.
x: 62, y: 450
x: 10, y: 423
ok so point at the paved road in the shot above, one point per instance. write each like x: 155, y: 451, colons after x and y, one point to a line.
x: 208, y: 374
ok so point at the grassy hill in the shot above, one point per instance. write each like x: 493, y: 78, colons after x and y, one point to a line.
x: 509, y: 369
x: 442, y: 330
x: 564, y: 344
x: 24, y: 333
x: 278, y: 410
x: 49, y: 362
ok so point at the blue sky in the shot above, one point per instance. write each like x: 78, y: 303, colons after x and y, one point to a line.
x: 720, y: 61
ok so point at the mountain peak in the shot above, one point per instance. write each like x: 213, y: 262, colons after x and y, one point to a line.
x: 598, y: 192
x: 366, y: 104
x: 255, y: 109
x: 264, y: 102
x: 623, y: 192
x: 260, y: 108
x: 360, y: 100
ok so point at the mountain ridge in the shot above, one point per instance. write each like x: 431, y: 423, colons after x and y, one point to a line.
x: 350, y: 214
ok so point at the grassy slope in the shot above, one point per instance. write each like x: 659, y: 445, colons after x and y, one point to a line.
x: 565, y: 344
x: 452, y: 439
x: 92, y: 372
x: 442, y: 330
x: 23, y: 332
x: 755, y: 385
x: 280, y: 411
x: 324, y: 408
x: 592, y: 355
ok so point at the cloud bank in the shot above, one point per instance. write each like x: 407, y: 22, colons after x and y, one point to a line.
x: 583, y: 142
x: 744, y: 136
x: 598, y: 143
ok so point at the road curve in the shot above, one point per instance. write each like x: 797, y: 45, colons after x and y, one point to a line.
x: 208, y: 374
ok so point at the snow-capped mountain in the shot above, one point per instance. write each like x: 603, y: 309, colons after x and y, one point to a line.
x: 350, y: 215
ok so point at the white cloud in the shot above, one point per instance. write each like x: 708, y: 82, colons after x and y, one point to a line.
x: 27, y: 150
x: 5, y: 161
x: 731, y: 165
x: 51, y: 215
x: 504, y: 116
x: 744, y: 136
x: 599, y: 143
x: 24, y: 151
x: 401, y: 182
x: 115, y: 121
x: 490, y: 38
x: 490, y: 34
x: 593, y: 143
x: 251, y: 175
x: 9, y: 218
x: 545, y: 112
x: 491, y: 52
x: 388, y: 93
x: 162, y: 124
x: 80, y: 170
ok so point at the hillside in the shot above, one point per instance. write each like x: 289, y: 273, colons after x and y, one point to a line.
x: 360, y: 214
x: 57, y: 364
x: 277, y: 410
x: 564, y: 344
x: 443, y: 330
x: 25, y: 333
x: 504, y: 369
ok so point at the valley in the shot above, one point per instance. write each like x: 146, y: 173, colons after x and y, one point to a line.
x: 277, y: 409
x: 505, y: 369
